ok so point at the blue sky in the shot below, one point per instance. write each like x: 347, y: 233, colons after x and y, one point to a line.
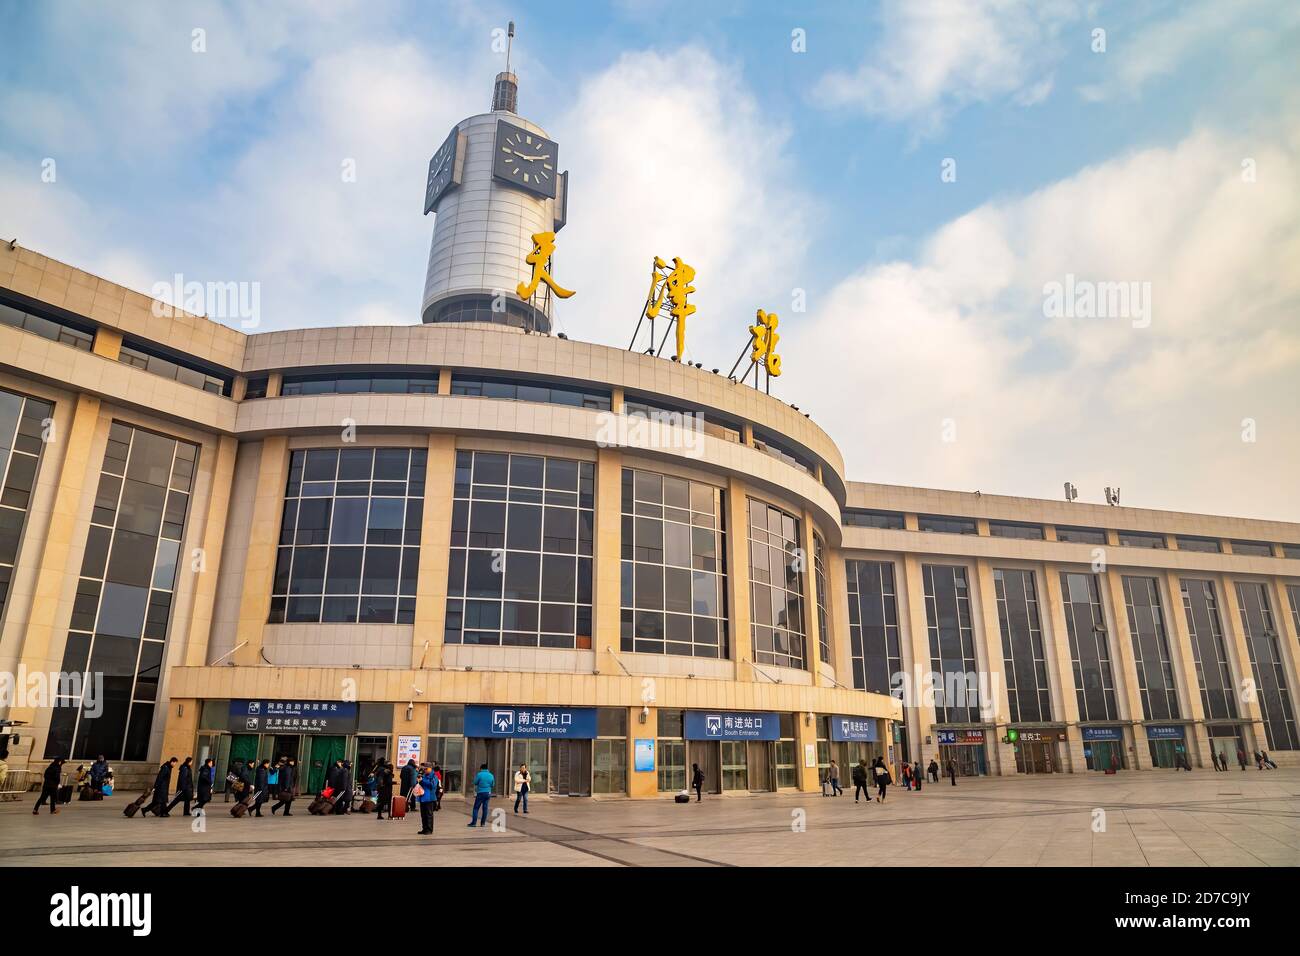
x: 694, y: 129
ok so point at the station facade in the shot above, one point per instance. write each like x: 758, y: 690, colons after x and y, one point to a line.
x: 471, y: 541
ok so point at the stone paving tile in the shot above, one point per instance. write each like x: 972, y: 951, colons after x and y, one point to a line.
x: 1152, y: 819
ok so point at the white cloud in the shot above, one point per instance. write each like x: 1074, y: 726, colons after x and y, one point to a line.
x: 672, y: 156
x: 959, y: 333
x: 935, y: 57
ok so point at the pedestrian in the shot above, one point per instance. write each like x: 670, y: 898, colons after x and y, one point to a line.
x: 883, y: 780
x: 1214, y: 758
x: 349, y: 787
x: 836, y: 790
x: 697, y: 782
x: 162, y: 785
x: 426, y: 793
x: 952, y: 771
x: 247, y: 774
x: 1259, y: 760
x: 934, y: 770
x: 522, y: 779
x: 287, y: 787
x: 261, y: 786
x: 410, y: 777
x: 917, y: 776
x: 906, y: 773
x: 1265, y: 761
x: 1241, y: 757
x: 207, y: 780
x: 99, y: 773
x: 859, y: 778
x: 438, y: 775
x: 483, y: 784
x: 184, y: 786
x: 335, y: 779
x: 384, y: 788
x: 50, y: 785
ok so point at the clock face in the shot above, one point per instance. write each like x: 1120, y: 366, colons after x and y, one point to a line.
x: 525, y: 160
x: 441, y: 169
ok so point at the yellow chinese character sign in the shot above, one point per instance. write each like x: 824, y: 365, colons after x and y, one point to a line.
x: 764, y: 342
x: 675, y: 285
x: 543, y: 247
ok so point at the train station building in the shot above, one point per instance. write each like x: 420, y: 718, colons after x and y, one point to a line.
x: 473, y: 541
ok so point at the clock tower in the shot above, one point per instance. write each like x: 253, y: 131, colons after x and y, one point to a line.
x: 493, y: 183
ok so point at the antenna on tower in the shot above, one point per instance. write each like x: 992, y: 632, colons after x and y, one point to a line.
x: 505, y: 91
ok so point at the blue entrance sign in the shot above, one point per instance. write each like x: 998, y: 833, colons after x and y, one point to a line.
x: 853, y: 728
x: 726, y: 725
x: 293, y: 717
x: 1164, y: 732
x: 1102, y: 733
x: 578, y: 723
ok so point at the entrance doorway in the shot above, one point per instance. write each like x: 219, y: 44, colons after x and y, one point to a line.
x: 735, y: 765
x: 971, y: 761
x: 1037, y: 756
x: 1104, y: 755
x: 369, y: 752
x: 706, y: 754
x: 325, y: 749
x: 571, y: 768
x: 532, y: 753
x: 1224, y: 742
x: 1166, y: 754
x: 494, y: 753
x: 243, y: 748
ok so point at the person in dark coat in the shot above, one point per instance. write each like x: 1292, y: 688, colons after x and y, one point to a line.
x: 697, y: 782
x: 50, y: 785
x: 952, y: 771
x: 260, y: 785
x: 349, y: 784
x: 384, y: 781
x: 883, y: 779
x: 410, y: 774
x: 99, y: 773
x: 184, y: 786
x: 335, y: 780
x: 207, y: 780
x: 162, y: 785
x: 933, y: 770
x: 287, y: 787
x: 859, y: 778
x: 247, y: 775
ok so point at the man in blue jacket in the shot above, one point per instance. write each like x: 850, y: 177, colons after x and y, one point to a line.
x: 427, y: 799
x: 483, y: 783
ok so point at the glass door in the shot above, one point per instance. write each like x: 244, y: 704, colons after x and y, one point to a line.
x: 735, y: 765
x: 759, y: 759
x: 532, y: 753
x: 670, y: 759
x: 571, y: 768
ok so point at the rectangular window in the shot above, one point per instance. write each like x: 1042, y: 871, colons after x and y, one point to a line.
x: 1080, y: 535
x: 1023, y: 654
x: 1011, y: 529
x: 23, y: 428
x: 256, y: 387
x: 1268, y: 665
x: 1213, y: 673
x: 952, y: 643
x: 657, y: 411
x: 862, y: 518
x: 350, y: 537
x: 674, y: 573
x: 823, y: 620
x: 1258, y: 549
x: 522, y: 531
x: 776, y: 587
x: 54, y: 329
x: 946, y: 525
x: 358, y: 383
x: 1140, y: 539
x: 123, y: 606
x: 1206, y: 545
x: 1085, y: 621
x: 1155, y: 669
x: 529, y: 390
x: 147, y: 359
x: 873, y: 625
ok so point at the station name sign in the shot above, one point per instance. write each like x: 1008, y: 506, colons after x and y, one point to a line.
x: 961, y: 737
x: 726, y: 725
x: 578, y: 723
x: 853, y: 728
x: 293, y: 717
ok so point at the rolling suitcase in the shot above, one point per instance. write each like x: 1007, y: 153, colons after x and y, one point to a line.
x: 133, y: 808
x: 398, y: 810
x: 241, y: 808
x: 320, y: 807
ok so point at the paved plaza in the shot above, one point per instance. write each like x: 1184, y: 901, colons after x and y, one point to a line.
x: 1151, y: 819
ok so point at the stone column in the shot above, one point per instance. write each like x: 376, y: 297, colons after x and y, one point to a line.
x: 1184, y: 661
x: 259, y: 561
x: 607, y: 593
x: 1127, y: 693
x: 990, y: 632
x: 739, y: 638
x: 916, y: 646
x: 207, y: 567
x: 1061, y: 662
x: 1239, y: 660
x: 643, y: 784
x: 435, y: 554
